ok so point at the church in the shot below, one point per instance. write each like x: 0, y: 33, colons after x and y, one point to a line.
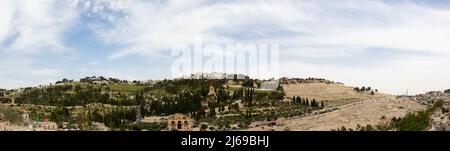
x: 180, y: 122
x: 212, y: 97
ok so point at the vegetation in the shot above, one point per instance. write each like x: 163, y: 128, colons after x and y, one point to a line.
x: 148, y: 126
x: 305, y: 102
x: 416, y: 121
x: 118, y: 104
x: 308, y: 80
x: 366, y: 89
x: 11, y: 115
x: 184, y: 103
x: 203, y: 127
x: 73, y: 95
x: 5, y: 100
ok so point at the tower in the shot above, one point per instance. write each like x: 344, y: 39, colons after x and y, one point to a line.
x: 25, y: 117
x: 212, y: 91
x: 212, y: 97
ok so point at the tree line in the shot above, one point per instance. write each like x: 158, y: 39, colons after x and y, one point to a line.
x: 167, y: 105
x: 68, y: 95
x: 114, y: 117
x: 306, y: 101
x: 5, y: 100
x: 365, y: 89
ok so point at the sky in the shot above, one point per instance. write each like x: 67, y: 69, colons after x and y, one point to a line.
x: 394, y: 46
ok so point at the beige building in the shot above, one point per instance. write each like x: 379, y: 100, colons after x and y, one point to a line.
x: 180, y: 122
x: 38, y: 126
x: 45, y: 126
x: 103, y: 82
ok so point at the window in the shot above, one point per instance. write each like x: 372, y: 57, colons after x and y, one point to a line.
x: 172, y: 125
x: 186, y: 124
x: 179, y: 125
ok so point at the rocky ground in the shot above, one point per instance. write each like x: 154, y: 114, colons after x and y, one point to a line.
x: 366, y: 112
x: 440, y: 120
x: 373, y: 112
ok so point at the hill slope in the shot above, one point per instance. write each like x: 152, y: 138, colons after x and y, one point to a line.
x: 333, y: 94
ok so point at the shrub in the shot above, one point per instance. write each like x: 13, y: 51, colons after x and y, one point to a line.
x: 211, y: 128
x: 5, y: 100
x: 204, y: 127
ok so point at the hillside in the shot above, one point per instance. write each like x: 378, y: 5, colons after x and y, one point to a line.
x: 372, y: 112
x: 334, y: 94
x: 121, y: 104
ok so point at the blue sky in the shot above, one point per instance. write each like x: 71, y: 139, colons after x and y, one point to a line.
x: 390, y: 45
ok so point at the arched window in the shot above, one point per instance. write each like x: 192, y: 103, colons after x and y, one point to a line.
x: 179, y: 125
x: 186, y: 124
x: 172, y: 125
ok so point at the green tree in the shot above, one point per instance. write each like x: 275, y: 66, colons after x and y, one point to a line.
x: 203, y: 127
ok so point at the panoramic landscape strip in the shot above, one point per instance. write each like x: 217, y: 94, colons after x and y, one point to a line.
x: 218, y: 102
x: 204, y: 65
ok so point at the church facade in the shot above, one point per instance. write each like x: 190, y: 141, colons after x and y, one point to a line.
x: 180, y: 122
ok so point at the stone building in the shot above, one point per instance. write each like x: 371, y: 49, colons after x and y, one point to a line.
x: 45, y: 126
x: 101, y: 82
x: 269, y: 85
x: 25, y: 117
x: 180, y: 122
x: 155, y: 119
x: 38, y: 126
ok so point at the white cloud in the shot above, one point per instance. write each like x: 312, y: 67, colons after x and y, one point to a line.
x: 312, y: 29
x: 36, y: 26
x: 417, y: 74
x: 45, y: 72
x: 20, y: 71
x: 148, y: 27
